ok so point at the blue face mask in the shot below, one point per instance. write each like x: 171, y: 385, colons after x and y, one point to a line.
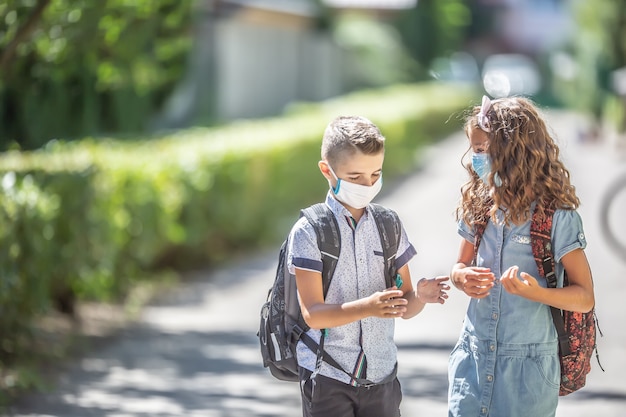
x: 481, y: 164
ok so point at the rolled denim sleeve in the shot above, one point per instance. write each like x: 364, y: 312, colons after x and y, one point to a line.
x: 466, y: 231
x: 567, y: 233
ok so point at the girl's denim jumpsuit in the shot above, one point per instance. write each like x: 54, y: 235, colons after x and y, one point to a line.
x: 505, y: 363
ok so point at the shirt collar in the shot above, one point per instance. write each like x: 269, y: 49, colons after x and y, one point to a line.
x: 338, y: 209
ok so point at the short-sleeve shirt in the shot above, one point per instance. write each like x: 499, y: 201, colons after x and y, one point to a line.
x: 358, y: 274
x: 508, y: 343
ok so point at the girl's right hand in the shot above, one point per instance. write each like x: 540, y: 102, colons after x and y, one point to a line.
x: 475, y: 281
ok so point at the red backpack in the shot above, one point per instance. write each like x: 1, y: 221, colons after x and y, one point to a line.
x: 576, y: 331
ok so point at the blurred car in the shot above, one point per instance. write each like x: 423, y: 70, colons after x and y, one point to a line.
x: 506, y: 75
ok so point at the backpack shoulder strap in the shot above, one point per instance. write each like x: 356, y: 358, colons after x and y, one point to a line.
x: 388, y: 224
x: 325, y: 224
x: 541, y: 243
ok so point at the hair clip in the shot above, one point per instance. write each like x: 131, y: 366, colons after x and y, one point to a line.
x: 483, y: 120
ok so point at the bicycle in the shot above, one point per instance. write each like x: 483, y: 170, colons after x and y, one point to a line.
x: 613, y: 216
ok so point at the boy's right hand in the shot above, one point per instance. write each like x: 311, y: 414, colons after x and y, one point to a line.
x: 387, y: 304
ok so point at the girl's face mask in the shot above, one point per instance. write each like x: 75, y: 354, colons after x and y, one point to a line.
x: 355, y: 195
x: 481, y: 164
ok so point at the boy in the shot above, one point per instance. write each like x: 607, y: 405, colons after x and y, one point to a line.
x: 357, y: 310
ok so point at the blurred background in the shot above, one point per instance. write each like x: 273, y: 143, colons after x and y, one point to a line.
x: 143, y: 139
x: 76, y: 69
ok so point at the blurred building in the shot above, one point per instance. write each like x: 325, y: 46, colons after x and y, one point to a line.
x: 253, y: 57
x: 515, y: 41
x: 526, y: 26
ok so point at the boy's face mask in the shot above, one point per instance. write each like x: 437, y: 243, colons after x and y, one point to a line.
x: 355, y: 195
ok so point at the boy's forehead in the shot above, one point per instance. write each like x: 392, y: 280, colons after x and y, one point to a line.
x: 360, y: 162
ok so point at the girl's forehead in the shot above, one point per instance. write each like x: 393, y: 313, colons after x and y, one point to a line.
x: 478, y: 137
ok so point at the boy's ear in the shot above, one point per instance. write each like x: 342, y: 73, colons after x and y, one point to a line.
x: 323, y: 165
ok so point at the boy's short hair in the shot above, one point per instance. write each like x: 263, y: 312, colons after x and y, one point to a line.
x: 345, y: 135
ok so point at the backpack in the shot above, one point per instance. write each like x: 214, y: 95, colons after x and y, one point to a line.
x: 282, y: 324
x: 576, y: 331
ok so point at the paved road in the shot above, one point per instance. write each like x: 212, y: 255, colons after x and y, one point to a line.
x: 196, y: 354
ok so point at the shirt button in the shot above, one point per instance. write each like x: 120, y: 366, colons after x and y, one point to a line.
x: 492, y: 348
x: 494, y: 316
x: 483, y: 410
x: 489, y: 378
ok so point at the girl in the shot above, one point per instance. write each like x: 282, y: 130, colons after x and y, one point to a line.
x: 506, y: 361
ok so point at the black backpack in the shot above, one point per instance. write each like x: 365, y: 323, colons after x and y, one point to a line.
x: 282, y: 324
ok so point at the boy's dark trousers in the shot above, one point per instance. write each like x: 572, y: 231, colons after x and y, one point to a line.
x: 325, y: 397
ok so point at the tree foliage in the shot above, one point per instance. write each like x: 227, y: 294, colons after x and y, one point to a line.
x: 435, y: 28
x: 379, y: 56
x: 598, y: 48
x: 71, y: 68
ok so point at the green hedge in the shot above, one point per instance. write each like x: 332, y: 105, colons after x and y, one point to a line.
x: 90, y: 217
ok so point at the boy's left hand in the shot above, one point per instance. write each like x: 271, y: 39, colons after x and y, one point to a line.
x: 432, y: 290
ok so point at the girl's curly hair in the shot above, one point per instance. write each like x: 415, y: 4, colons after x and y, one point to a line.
x: 525, y: 166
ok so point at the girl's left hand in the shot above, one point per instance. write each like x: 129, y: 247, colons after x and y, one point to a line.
x: 523, y: 284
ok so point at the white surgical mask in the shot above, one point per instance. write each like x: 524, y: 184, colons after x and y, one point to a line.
x: 355, y: 195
